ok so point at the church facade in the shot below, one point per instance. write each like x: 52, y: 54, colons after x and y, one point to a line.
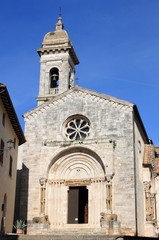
x: 88, y: 164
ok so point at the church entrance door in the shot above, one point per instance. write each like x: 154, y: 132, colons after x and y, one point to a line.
x: 75, y: 191
x: 77, y: 205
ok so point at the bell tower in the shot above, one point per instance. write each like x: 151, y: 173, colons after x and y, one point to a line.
x: 57, y: 63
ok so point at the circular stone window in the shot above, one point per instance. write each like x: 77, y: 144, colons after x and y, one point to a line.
x: 77, y: 128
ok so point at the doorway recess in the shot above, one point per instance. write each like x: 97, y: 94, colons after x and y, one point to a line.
x: 77, y: 205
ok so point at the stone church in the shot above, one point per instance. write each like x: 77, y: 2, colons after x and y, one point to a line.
x: 88, y: 165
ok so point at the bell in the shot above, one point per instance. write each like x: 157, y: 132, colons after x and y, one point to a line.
x: 54, y: 77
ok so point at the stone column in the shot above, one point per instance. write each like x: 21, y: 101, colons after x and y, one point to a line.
x: 109, y: 223
x: 109, y: 195
x: 42, y: 182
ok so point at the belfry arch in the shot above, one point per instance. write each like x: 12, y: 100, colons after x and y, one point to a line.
x: 74, y: 177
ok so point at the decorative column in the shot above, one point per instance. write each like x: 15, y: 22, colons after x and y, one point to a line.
x: 42, y: 182
x: 40, y: 224
x: 109, y: 223
x: 109, y: 193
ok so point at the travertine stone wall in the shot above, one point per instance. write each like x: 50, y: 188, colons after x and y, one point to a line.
x: 110, y: 139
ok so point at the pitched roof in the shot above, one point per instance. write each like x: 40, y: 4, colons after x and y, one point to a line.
x: 8, y: 105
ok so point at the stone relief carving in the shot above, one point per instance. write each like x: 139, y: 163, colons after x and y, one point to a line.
x: 149, y: 202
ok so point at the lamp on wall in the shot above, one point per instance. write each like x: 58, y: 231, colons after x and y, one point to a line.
x: 10, y: 144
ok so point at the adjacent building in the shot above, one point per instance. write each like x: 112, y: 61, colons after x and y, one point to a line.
x: 11, y: 136
x: 88, y: 164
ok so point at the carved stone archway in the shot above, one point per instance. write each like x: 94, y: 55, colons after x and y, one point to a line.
x: 77, y: 167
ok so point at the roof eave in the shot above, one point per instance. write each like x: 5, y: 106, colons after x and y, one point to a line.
x: 8, y: 105
x: 141, y: 123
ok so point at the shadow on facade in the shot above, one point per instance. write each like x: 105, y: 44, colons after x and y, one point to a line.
x: 21, y: 199
x: 9, y: 237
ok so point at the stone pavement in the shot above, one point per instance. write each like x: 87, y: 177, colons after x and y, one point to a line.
x: 71, y: 237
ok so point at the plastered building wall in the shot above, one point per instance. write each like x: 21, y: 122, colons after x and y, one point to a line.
x: 8, y: 183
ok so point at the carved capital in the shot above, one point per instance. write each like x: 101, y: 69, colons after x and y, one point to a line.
x: 109, y: 178
x: 147, y: 186
x: 43, y: 182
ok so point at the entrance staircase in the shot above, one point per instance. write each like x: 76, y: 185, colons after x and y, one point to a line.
x: 59, y: 237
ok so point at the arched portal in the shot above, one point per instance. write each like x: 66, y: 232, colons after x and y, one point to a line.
x: 76, y: 189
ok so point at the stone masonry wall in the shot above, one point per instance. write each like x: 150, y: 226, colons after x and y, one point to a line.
x: 111, y: 138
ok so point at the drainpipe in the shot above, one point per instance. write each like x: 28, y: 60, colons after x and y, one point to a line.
x: 135, y: 183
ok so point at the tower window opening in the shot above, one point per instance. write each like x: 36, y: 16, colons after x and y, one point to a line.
x: 54, y: 78
x: 69, y: 80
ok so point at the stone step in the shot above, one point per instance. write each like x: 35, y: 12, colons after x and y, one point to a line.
x: 58, y: 237
x: 76, y: 231
x: 72, y: 237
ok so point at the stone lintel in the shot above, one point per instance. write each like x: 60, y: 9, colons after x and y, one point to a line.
x: 77, y: 182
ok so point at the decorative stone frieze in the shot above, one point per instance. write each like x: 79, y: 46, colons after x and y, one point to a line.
x: 87, y: 141
x: 56, y: 181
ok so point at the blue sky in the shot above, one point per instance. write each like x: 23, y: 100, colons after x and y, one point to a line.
x: 116, y: 41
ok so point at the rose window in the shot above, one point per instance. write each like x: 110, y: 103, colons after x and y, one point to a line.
x: 77, y: 128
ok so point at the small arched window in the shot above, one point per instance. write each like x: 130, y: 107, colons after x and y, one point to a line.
x: 5, y: 205
x: 54, y: 78
x: 69, y: 80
